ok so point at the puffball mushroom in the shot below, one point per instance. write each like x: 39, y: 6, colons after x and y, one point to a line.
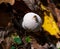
x: 31, y: 22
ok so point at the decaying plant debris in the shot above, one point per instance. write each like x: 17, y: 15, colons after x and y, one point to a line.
x: 12, y: 13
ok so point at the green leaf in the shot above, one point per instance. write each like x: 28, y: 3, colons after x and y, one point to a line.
x: 13, y: 47
x: 28, y: 40
x: 18, y: 40
x: 58, y: 48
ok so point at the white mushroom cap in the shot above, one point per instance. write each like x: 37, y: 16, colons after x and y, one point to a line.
x: 31, y: 22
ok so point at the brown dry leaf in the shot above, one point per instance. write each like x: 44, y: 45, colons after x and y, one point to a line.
x: 8, y: 1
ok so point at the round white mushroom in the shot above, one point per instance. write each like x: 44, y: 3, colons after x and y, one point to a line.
x: 31, y: 22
